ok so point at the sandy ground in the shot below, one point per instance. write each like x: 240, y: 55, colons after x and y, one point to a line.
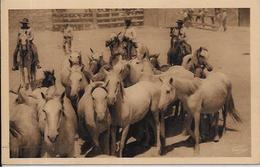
x: 229, y: 53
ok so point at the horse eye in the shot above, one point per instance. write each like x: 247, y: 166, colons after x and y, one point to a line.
x: 137, y: 62
x: 167, y: 91
x: 80, y: 79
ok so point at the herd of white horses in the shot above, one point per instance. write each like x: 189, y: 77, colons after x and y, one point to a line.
x: 47, y: 122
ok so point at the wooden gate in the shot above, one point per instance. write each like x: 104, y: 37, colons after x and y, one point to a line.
x: 82, y: 19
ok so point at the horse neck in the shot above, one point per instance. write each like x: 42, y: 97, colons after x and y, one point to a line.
x: 119, y: 102
x: 185, y: 87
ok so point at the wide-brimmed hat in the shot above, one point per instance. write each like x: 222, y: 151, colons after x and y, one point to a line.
x: 179, y: 21
x: 128, y: 21
x: 24, y: 21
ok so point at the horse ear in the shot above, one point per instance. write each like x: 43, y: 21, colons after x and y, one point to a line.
x: 45, y: 73
x: 80, y: 59
x: 157, y: 55
x: 160, y: 79
x: 71, y: 63
x: 105, y: 71
x: 19, y: 88
x: 91, y: 81
x: 101, y: 55
x: 106, y: 83
x: 144, y: 56
x: 52, y: 72
x: 171, y: 81
x: 91, y: 50
x: 62, y: 97
x: 119, y: 57
x: 43, y: 96
x: 82, y: 69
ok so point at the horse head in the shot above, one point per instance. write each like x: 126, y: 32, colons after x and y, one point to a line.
x: 49, y: 79
x: 96, y: 61
x: 167, y: 92
x: 77, y: 82
x: 54, y: 115
x: 139, y: 66
x: 154, y: 60
x: 114, y: 86
x: 99, y: 95
x: 202, y: 58
x: 75, y: 58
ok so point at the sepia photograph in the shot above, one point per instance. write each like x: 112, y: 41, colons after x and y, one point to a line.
x: 122, y: 82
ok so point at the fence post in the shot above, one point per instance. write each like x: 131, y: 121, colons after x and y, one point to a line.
x: 94, y: 15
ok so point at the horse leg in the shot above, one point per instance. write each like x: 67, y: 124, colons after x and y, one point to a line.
x: 197, y: 132
x: 176, y: 109
x: 224, y: 113
x: 113, y: 140
x: 106, y: 143
x: 162, y: 132
x: 22, y: 76
x: 187, y: 126
x: 123, y: 140
x: 156, y: 116
x: 216, y: 118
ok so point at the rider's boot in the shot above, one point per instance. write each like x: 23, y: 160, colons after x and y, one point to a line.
x: 15, y: 64
x: 15, y: 68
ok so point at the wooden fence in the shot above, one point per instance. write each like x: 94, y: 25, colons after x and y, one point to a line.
x: 82, y: 19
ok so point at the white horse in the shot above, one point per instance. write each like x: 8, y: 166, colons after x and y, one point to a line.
x: 130, y: 105
x: 60, y: 127
x: 25, y: 136
x: 94, y: 114
x: 206, y: 96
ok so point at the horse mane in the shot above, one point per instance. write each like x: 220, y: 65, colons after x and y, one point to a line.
x: 187, y: 86
x: 14, y: 129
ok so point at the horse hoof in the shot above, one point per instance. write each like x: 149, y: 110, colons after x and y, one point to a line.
x: 160, y: 152
x: 184, y: 133
x: 216, y: 139
x: 196, y: 151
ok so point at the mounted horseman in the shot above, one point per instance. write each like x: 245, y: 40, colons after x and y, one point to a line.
x: 129, y: 38
x: 179, y: 46
x: 25, y: 30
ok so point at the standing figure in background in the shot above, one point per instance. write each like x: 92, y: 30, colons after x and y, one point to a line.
x: 224, y: 20
x: 26, y: 30
x: 201, y: 16
x: 67, y: 38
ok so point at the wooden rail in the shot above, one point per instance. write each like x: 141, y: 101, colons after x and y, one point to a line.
x: 92, y: 18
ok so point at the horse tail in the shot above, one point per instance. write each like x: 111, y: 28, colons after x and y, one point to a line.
x: 230, y: 106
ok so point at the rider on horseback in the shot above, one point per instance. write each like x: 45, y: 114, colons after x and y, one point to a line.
x: 179, y: 33
x: 67, y: 35
x: 25, y: 29
x: 129, y: 36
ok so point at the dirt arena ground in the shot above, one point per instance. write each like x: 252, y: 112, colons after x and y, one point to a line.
x: 229, y: 53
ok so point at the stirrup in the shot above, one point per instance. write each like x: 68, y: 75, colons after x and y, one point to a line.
x: 15, y: 68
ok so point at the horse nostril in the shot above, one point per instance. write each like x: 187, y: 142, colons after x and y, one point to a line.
x: 53, y: 139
